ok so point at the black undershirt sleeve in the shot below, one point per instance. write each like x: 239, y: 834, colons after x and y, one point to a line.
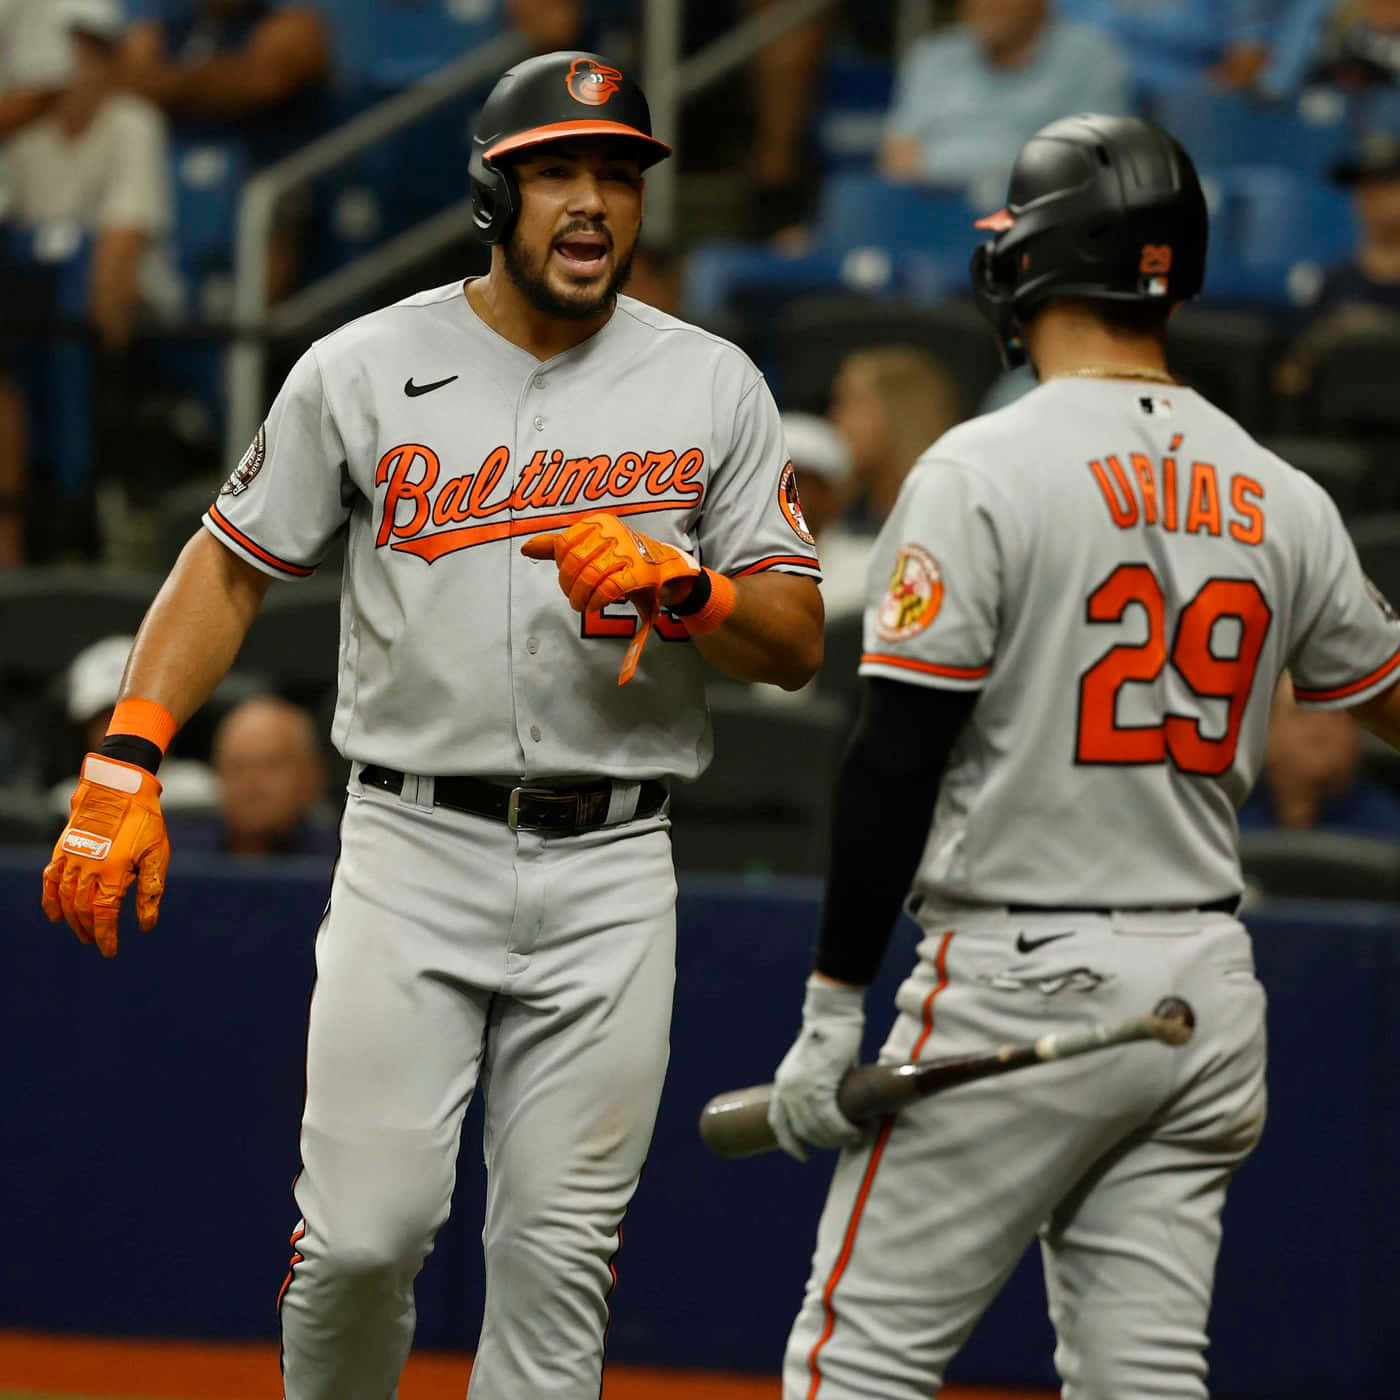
x: 883, y: 809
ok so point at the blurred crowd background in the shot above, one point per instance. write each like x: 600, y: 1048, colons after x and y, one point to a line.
x: 191, y: 190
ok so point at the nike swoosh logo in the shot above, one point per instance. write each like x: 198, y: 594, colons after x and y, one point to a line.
x: 414, y: 390
x: 1029, y: 945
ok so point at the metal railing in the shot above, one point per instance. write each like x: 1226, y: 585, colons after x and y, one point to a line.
x: 671, y: 78
x: 257, y: 212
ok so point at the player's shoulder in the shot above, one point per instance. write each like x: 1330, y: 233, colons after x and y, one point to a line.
x: 389, y: 322
x: 990, y: 445
x: 658, y: 332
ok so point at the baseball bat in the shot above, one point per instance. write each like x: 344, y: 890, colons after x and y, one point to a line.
x: 735, y: 1124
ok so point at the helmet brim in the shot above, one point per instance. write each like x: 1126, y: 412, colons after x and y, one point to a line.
x: 651, y: 152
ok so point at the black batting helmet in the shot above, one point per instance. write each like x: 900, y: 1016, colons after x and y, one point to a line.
x: 1107, y: 208
x: 550, y: 98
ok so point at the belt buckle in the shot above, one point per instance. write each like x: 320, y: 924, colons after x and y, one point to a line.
x: 540, y: 794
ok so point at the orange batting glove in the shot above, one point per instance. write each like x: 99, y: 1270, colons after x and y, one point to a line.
x: 601, y: 561
x: 115, y: 834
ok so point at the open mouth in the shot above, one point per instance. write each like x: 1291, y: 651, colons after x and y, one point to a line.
x: 584, y: 254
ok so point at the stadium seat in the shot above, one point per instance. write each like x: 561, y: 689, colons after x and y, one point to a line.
x: 859, y: 209
x: 1342, y: 468
x: 1380, y: 763
x: 1354, y: 387
x: 870, y: 236
x: 27, y: 819
x: 816, y: 333
x: 1377, y: 541
x: 1221, y: 128
x: 748, y: 813
x: 839, y: 676
x: 295, y: 638
x: 1321, y: 865
x: 849, y: 117
x: 48, y: 615
x: 207, y: 176
x: 388, y: 44
x: 1278, y: 231
x: 1226, y: 355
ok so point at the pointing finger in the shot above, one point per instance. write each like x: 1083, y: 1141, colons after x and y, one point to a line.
x: 540, y: 546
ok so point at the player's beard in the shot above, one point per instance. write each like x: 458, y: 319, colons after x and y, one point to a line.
x: 534, y: 286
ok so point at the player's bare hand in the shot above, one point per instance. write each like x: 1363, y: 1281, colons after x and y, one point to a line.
x: 803, y: 1110
x: 602, y: 561
x: 115, y: 835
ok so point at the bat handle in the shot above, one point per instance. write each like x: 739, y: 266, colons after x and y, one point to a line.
x: 735, y: 1124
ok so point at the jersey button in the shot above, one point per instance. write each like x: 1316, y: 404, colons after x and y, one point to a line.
x: 532, y: 645
x: 535, y: 733
x: 539, y: 423
x: 540, y: 381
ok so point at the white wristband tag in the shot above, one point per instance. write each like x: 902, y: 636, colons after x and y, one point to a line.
x: 113, y: 775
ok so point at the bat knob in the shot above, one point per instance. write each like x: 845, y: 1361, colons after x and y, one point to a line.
x: 1177, y: 1018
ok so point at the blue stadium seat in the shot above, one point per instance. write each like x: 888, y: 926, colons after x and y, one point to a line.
x: 863, y: 210
x: 387, y: 44
x: 207, y: 177
x: 1284, y: 229
x: 871, y: 236
x: 1222, y: 129
x: 850, y: 111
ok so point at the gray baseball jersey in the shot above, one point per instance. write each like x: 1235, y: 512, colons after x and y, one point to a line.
x: 453, y: 945
x: 1123, y: 573
x: 439, y: 446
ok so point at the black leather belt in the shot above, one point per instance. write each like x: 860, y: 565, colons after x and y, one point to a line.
x: 1228, y: 905
x: 562, y: 809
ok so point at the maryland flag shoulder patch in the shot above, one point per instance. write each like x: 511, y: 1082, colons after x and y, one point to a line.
x: 913, y: 597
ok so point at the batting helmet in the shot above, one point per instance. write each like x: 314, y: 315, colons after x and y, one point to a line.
x: 550, y: 98
x: 1102, y: 207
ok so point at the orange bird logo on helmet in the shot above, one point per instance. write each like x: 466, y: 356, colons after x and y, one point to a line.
x: 591, y: 82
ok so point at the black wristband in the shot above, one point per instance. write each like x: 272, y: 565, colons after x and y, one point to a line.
x: 132, y: 748
x: 696, y: 599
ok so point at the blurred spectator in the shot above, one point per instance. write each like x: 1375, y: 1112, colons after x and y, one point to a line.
x: 891, y: 404
x: 34, y: 61
x: 549, y: 24
x: 1312, y: 775
x: 96, y: 164
x: 1171, y: 43
x: 1362, y: 294
x: 1360, y: 45
x: 785, y: 79
x: 272, y: 781
x: 968, y: 97
x: 93, y: 169
x: 252, y: 68
x: 821, y: 460
x: 92, y: 686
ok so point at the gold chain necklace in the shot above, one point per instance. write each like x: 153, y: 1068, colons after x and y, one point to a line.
x: 1156, y: 376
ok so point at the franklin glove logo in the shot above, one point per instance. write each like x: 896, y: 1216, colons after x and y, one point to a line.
x: 84, y: 843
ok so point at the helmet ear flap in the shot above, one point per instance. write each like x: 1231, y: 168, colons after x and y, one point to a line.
x: 994, y: 289
x: 495, y: 203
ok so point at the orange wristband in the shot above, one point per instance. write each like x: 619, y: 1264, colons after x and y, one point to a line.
x: 146, y: 720
x: 717, y: 607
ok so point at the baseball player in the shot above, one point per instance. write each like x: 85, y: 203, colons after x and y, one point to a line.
x: 503, y: 910
x: 1079, y: 610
